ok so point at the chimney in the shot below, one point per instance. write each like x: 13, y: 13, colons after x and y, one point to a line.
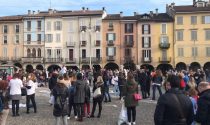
x: 151, y: 13
x: 121, y: 14
x: 33, y: 12
x: 50, y: 11
x: 87, y: 8
x: 156, y: 11
x: 29, y: 12
x: 83, y: 8
x: 38, y: 11
x: 54, y: 11
x: 103, y: 8
x: 172, y: 5
x: 134, y: 13
x: 194, y: 1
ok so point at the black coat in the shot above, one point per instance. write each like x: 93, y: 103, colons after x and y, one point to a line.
x: 60, y: 92
x: 52, y: 82
x: 80, y: 91
x: 167, y: 110
x: 203, y: 112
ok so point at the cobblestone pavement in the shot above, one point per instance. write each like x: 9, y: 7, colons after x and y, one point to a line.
x: 110, y: 113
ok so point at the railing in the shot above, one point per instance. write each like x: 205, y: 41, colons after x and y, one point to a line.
x: 97, y: 43
x: 85, y: 60
x: 96, y: 59
x: 110, y: 43
x: 53, y: 60
x: 128, y: 59
x: 165, y: 45
x: 110, y: 58
x: 70, y: 44
x: 146, y: 59
x: 164, y: 59
x: 70, y: 60
x: 129, y: 43
x: 83, y: 43
x: 4, y: 58
x: 15, y: 58
x: 111, y: 28
x: 32, y: 59
x: 39, y: 42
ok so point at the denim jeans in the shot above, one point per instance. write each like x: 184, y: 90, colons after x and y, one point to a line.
x: 154, y: 91
x: 58, y: 120
x: 116, y: 90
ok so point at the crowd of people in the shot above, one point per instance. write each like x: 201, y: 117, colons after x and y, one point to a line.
x: 185, y: 101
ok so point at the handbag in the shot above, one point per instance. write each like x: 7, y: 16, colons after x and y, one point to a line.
x: 23, y: 91
x: 137, y: 97
x: 97, y: 92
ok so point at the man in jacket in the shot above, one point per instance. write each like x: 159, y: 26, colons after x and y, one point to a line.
x: 79, y: 96
x: 173, y: 107
x: 203, y: 112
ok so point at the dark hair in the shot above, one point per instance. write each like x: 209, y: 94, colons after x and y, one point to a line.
x: 16, y: 75
x: 3, y: 85
x: 79, y: 76
x: 174, y: 81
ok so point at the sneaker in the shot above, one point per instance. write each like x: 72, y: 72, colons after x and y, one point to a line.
x: 75, y: 117
x: 129, y: 123
x: 68, y: 117
x: 134, y: 123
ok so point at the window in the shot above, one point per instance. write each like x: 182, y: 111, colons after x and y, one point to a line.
x: 39, y: 52
x: 207, y: 34
x: 28, y: 25
x: 129, y: 28
x: 194, y: 35
x: 179, y: 20
x: 194, y: 51
x: 28, y: 37
x: 5, y: 52
x: 146, y: 42
x: 146, y: 55
x: 83, y: 53
x: 58, y: 37
x: 33, y: 52
x: 127, y: 52
x: 146, y: 29
x: 208, y: 51
x: 98, y: 55
x: 58, y: 53
x: 5, y: 40
x: 28, y: 53
x: 205, y: 19
x: 98, y: 36
x: 39, y: 37
x: 71, y: 26
x: 17, y: 28
x: 164, y: 39
x: 58, y: 25
x: 193, y: 20
x: 48, y: 26
x: 49, y: 37
x: 179, y: 35
x: 129, y: 38
x: 5, y: 29
x: 17, y: 39
x: 49, y: 53
x: 163, y: 28
x: 39, y: 25
x: 110, y: 25
x: 180, y: 52
x: 110, y: 36
x: 16, y: 52
x: 111, y: 51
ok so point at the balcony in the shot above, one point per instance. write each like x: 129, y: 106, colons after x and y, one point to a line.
x: 164, y: 45
x: 146, y: 59
x: 70, y: 60
x: 129, y: 43
x: 97, y: 28
x: 16, y: 59
x: 128, y: 59
x: 70, y: 44
x: 110, y: 43
x: 28, y: 42
x: 39, y: 42
x: 4, y: 58
x: 97, y: 43
x: 32, y: 59
x: 83, y: 28
x: 110, y: 58
x: 83, y: 43
x: 164, y: 59
x: 96, y: 59
x: 85, y: 60
x: 111, y: 28
x: 53, y: 60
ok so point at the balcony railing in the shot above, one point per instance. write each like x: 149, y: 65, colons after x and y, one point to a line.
x: 97, y: 28
x: 110, y: 58
x: 32, y: 59
x: 15, y: 58
x: 110, y: 43
x: 128, y: 59
x: 70, y: 44
x: 4, y: 58
x: 83, y: 43
x: 83, y: 28
x: 111, y: 28
x: 165, y: 45
x: 53, y: 60
x: 85, y: 60
x: 39, y: 42
x: 164, y: 59
x: 129, y: 43
x: 96, y: 59
x: 28, y: 42
x: 97, y: 43
x: 146, y: 59
x: 70, y: 60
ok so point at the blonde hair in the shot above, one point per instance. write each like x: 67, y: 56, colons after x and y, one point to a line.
x: 32, y: 77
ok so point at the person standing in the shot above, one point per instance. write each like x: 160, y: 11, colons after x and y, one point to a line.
x: 142, y: 79
x: 31, y: 87
x: 174, y: 107
x: 15, y: 85
x: 107, y: 97
x: 71, y: 96
x: 4, y: 95
x: 115, y: 83
x: 79, y: 96
x: 203, y: 111
x: 60, y: 110
x: 122, y: 83
x: 130, y: 89
x: 157, y: 83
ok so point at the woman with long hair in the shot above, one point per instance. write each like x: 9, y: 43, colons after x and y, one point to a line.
x: 157, y: 83
x: 131, y: 88
x: 31, y: 87
x: 4, y: 94
x: 67, y: 80
x: 15, y: 85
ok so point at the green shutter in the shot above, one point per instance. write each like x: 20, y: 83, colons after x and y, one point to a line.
x: 115, y: 51
x: 106, y: 51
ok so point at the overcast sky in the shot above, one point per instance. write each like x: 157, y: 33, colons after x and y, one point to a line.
x: 15, y: 7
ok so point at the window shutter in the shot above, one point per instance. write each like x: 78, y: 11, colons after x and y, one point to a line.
x: 148, y: 29
x: 203, y: 19
x: 142, y: 28
x: 114, y: 51
x: 106, y: 51
x: 107, y: 37
x: 142, y: 55
x: 149, y: 41
x: 114, y: 37
x: 142, y: 42
x: 149, y: 54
